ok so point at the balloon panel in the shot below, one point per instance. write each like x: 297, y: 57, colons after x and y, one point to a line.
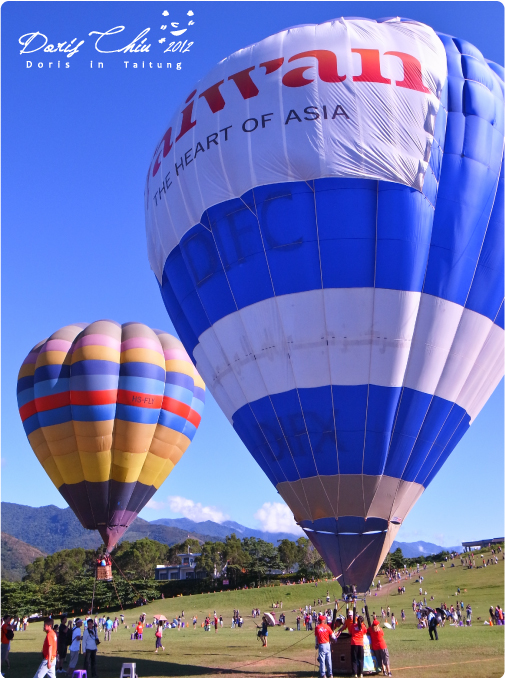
x: 351, y: 329
x: 109, y: 410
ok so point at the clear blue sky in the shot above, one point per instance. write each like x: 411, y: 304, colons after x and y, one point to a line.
x: 76, y: 145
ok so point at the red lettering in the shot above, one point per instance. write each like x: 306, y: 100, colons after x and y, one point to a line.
x: 326, y: 64
x: 165, y: 144
x: 213, y: 97
x: 245, y: 85
x: 272, y: 65
x: 412, y: 76
x: 370, y: 67
x: 187, y: 113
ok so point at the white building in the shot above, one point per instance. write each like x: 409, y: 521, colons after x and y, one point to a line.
x: 186, y: 570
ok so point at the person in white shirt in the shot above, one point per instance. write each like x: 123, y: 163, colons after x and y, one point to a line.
x: 74, y: 647
x: 89, y: 647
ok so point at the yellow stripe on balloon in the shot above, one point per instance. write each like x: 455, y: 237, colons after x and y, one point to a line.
x: 163, y: 475
x: 126, y: 467
x: 152, y: 468
x: 39, y: 445
x: 96, y: 353
x: 53, y: 358
x: 52, y: 471
x: 180, y: 366
x: 95, y: 465
x: 142, y: 355
x: 27, y: 370
x: 69, y: 465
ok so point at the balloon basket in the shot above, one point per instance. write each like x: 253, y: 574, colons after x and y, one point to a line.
x: 104, y: 573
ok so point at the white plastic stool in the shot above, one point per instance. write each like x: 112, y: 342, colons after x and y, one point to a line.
x: 128, y: 671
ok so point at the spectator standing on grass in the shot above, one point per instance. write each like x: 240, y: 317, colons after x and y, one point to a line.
x: 89, y: 647
x: 432, y: 625
x: 357, y: 631
x: 323, y: 634
x: 49, y: 651
x: 379, y: 647
x: 74, y: 647
x: 7, y: 636
x: 62, y: 644
x: 468, y: 615
x: 108, y: 628
x: 158, y: 636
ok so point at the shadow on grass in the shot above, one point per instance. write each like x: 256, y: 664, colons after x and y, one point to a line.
x: 25, y: 665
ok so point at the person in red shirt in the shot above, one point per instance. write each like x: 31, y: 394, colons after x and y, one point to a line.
x: 7, y: 635
x: 379, y: 647
x: 49, y: 650
x: 323, y: 634
x: 357, y: 631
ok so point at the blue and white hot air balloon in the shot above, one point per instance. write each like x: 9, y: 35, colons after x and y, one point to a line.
x: 325, y: 219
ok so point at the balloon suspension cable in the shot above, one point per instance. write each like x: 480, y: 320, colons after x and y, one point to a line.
x: 93, y: 597
x: 124, y: 576
x: 119, y: 599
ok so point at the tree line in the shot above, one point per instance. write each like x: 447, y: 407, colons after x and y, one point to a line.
x: 65, y: 580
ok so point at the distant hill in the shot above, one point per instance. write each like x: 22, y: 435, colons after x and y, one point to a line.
x: 222, y: 530
x: 52, y: 529
x: 16, y: 555
x: 422, y: 548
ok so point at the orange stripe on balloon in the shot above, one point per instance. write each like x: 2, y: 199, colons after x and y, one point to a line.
x: 139, y: 399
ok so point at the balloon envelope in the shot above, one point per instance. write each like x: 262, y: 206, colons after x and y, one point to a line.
x: 109, y: 410
x: 325, y: 218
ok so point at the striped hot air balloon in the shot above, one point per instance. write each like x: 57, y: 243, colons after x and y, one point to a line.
x: 325, y: 218
x: 109, y: 410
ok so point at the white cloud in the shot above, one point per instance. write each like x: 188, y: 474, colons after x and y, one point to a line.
x: 193, y: 510
x: 156, y: 505
x: 276, y: 517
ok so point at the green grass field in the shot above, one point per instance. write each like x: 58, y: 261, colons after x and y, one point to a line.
x: 476, y: 651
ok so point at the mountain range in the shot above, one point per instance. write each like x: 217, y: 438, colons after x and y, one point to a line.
x: 47, y: 529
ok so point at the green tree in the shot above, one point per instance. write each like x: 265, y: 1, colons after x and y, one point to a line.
x: 264, y: 556
x: 212, y: 557
x: 289, y: 553
x: 60, y: 567
x: 237, y: 560
x: 141, y: 557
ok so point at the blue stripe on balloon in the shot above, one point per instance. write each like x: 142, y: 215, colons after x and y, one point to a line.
x: 144, y: 370
x: 24, y: 383
x: 199, y: 393
x: 85, y: 367
x: 173, y: 421
x: 348, y: 430
x: 93, y: 412
x: 51, y: 387
x: 31, y: 424
x: 197, y: 405
x: 141, y: 385
x: 25, y: 396
x: 60, y: 415
x: 179, y: 379
x: 93, y: 382
x: 183, y: 395
x: 138, y: 415
x: 51, y: 372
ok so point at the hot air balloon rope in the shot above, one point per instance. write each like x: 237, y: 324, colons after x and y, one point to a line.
x: 93, y: 596
x: 124, y: 576
x: 119, y: 599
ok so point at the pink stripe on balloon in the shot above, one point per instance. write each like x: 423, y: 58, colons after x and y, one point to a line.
x: 141, y: 342
x: 56, y: 345
x: 176, y: 354
x: 97, y: 340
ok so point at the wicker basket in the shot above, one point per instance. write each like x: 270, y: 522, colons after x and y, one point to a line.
x: 104, y: 573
